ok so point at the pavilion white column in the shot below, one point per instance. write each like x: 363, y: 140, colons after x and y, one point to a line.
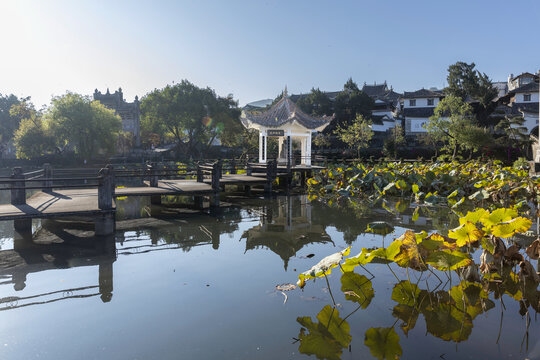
x: 303, y: 153
x: 308, y: 150
x: 289, y: 148
x: 265, y: 148
x: 263, y: 139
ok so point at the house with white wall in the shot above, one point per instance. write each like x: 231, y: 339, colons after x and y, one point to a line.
x: 416, y: 109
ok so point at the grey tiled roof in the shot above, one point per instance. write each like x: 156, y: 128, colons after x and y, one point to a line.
x: 422, y: 93
x: 379, y: 119
x: 526, y: 107
x: 283, y: 112
x: 418, y: 112
x: 374, y: 90
x: 527, y: 88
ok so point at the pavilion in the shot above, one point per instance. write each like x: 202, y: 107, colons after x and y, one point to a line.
x: 286, y: 122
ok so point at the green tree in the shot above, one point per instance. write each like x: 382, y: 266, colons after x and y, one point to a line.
x: 516, y: 135
x: 31, y: 139
x: 467, y: 83
x: 192, y: 116
x: 8, y: 122
x: 393, y: 141
x: 322, y: 140
x: 87, y: 125
x: 453, y: 123
x: 357, y: 135
x: 316, y: 103
x: 350, y: 103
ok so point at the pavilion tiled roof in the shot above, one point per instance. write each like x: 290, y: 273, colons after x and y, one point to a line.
x: 283, y: 112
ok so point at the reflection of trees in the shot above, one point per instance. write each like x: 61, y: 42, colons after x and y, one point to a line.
x: 397, y: 213
x: 285, y: 227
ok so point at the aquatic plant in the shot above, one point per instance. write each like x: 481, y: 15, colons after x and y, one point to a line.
x: 504, y: 268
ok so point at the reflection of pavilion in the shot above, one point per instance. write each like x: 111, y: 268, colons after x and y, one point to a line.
x: 42, y: 252
x: 285, y: 228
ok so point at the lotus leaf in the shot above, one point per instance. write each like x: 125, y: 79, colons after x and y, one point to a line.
x: 383, y: 343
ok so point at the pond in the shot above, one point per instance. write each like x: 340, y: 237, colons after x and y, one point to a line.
x: 174, y: 283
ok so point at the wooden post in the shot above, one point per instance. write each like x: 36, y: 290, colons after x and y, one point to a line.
x: 113, y: 178
x: 18, y: 191
x: 220, y: 168
x: 105, y: 190
x: 249, y: 170
x: 214, y: 198
x: 104, y: 223
x: 302, y: 178
x: 200, y: 176
x: 48, y: 177
x: 154, y: 178
x: 271, y: 170
x: 233, y: 167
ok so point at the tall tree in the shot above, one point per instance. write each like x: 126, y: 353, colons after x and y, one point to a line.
x: 453, y: 123
x: 516, y: 135
x: 350, y: 103
x: 31, y: 139
x: 357, y: 134
x: 192, y: 116
x: 8, y: 122
x: 316, y: 103
x: 469, y: 84
x: 87, y: 125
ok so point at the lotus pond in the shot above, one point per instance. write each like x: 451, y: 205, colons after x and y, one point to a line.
x: 402, y: 280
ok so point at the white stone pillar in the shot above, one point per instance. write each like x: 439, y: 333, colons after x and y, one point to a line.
x: 261, y: 146
x: 537, y: 157
x: 308, y: 149
x: 263, y: 140
x: 289, y: 148
x: 303, y: 153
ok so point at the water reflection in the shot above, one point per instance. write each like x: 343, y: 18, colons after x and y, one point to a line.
x: 285, y: 227
x: 56, y: 247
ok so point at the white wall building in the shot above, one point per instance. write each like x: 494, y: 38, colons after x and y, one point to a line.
x: 417, y: 107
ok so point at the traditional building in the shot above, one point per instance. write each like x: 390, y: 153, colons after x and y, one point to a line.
x: 386, y: 102
x: 286, y: 122
x: 129, y: 112
x: 522, y: 79
x: 417, y: 107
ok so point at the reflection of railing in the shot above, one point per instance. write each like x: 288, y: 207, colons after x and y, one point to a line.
x: 12, y: 302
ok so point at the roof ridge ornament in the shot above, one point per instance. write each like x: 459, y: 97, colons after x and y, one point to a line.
x: 285, y: 94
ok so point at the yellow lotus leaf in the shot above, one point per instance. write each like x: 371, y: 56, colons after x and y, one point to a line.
x: 474, y: 216
x: 510, y: 228
x: 466, y: 234
x: 498, y: 216
x: 409, y: 254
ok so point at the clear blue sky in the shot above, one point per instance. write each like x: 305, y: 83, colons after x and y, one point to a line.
x: 253, y: 48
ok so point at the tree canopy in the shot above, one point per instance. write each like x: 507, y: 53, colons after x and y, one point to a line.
x: 454, y: 124
x: 469, y: 84
x: 350, y: 103
x: 193, y: 117
x: 9, y: 122
x: 316, y: 103
x: 87, y: 125
x: 357, y: 134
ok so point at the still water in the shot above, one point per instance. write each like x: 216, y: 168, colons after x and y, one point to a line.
x: 179, y: 284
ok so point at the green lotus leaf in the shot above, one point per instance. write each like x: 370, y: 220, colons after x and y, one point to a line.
x: 357, y: 288
x: 383, y: 343
x: 327, y: 338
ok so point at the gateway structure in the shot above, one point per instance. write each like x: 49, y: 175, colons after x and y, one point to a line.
x: 286, y: 122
